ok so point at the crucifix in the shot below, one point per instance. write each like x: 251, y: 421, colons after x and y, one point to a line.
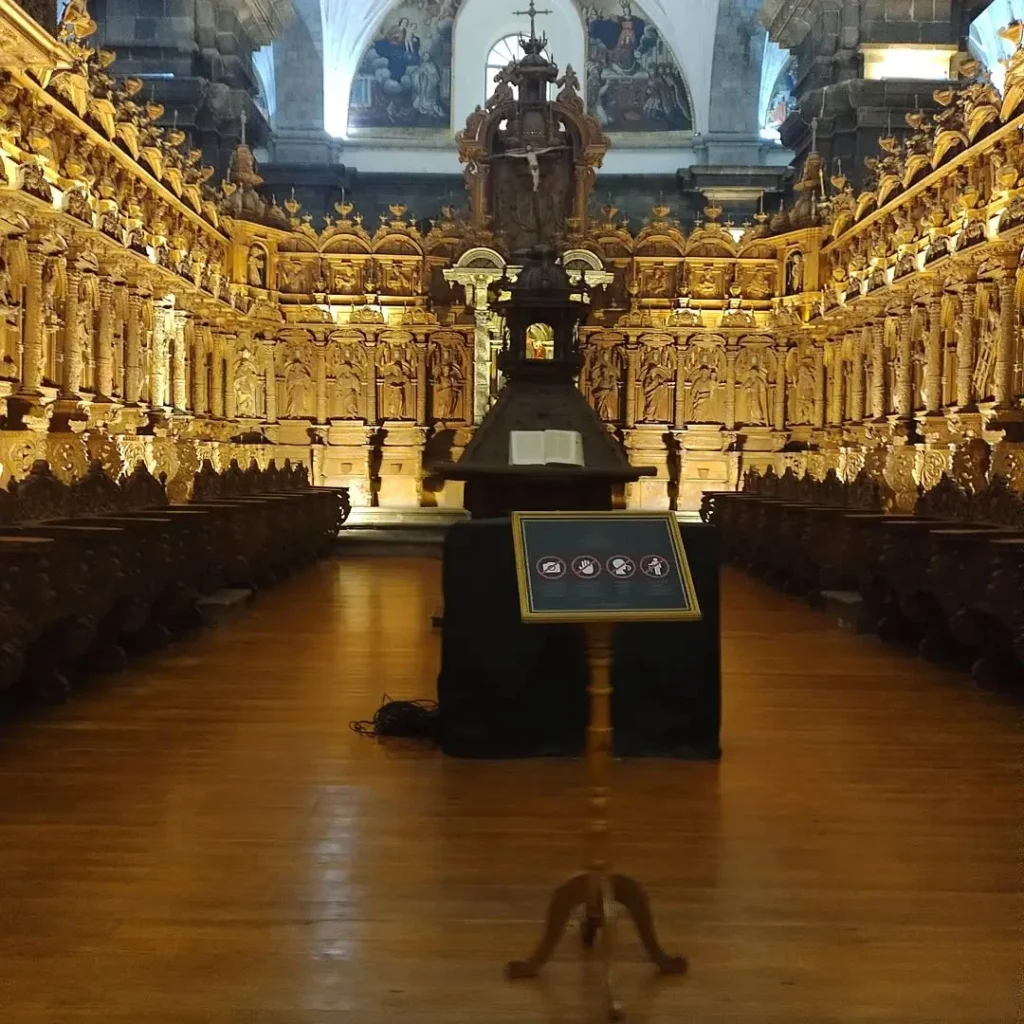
x: 532, y: 13
x: 530, y: 155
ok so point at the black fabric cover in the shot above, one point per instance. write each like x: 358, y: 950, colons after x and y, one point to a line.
x: 507, y: 689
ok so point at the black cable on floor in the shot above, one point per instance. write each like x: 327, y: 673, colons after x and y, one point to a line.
x: 410, y: 719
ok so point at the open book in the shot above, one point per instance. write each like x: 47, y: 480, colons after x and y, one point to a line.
x: 545, y: 447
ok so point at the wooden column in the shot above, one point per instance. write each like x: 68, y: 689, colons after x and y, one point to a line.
x: 878, y: 369
x: 857, y: 377
x: 421, y: 379
x: 158, y: 356
x: 133, y: 348
x: 70, y: 375
x: 230, y: 348
x: 779, y: 415
x: 905, y: 364
x: 965, y: 348
x: 200, y: 399
x: 321, y: 382
x: 371, y: 379
x: 834, y: 378
x: 731, y: 356
x: 105, y: 341
x: 1007, y: 339
x: 269, y: 380
x: 933, y: 353
x: 179, y: 362
x: 33, y: 353
x: 632, y: 357
x: 819, y: 391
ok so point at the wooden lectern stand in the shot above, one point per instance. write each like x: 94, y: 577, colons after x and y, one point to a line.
x: 599, y: 568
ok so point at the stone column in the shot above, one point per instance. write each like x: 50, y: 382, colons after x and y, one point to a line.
x: 481, y: 364
x: 105, y: 342
x: 33, y: 353
x: 321, y: 382
x: 269, y: 380
x: 933, y: 363
x: 819, y: 391
x: 179, y: 360
x: 632, y: 357
x: 217, y: 374
x: 731, y: 355
x: 779, y: 415
x: 421, y: 379
x: 133, y: 348
x: 965, y: 349
x: 878, y: 369
x: 200, y: 399
x: 857, y: 378
x: 71, y: 346
x: 905, y: 364
x: 1007, y: 340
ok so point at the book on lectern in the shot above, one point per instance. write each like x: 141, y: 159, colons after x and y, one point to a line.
x: 545, y: 448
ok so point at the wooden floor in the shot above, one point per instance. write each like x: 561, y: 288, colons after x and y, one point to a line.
x: 204, y: 841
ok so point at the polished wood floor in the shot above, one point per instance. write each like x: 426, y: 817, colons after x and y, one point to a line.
x: 204, y: 841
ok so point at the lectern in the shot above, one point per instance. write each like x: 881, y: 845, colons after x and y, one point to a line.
x: 598, y: 569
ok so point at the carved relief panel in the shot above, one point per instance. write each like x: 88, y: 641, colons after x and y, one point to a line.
x: 448, y: 375
x: 802, y: 383
x: 755, y: 385
x: 348, y: 373
x: 603, y: 376
x: 704, y: 382
x: 296, y: 368
x: 245, y: 383
x: 708, y: 280
x: 656, y: 380
x: 396, y: 376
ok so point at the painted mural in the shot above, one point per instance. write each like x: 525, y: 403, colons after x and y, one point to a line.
x: 633, y: 81
x: 404, y: 79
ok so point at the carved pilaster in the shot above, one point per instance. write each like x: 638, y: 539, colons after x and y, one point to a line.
x: 731, y: 355
x: 105, y: 341
x: 878, y: 369
x: 270, y: 379
x: 230, y: 350
x: 857, y: 375
x: 835, y: 379
x: 1007, y: 340
x: 779, y: 415
x: 200, y: 398
x: 371, y: 381
x: 965, y: 349
x: 421, y: 378
x: 632, y: 361
x: 32, y: 337
x: 905, y: 364
x: 321, y: 382
x: 819, y: 385
x: 71, y: 346
x: 680, y: 414
x: 179, y: 361
x: 159, y: 355
x: 133, y: 348
x: 933, y: 356
x: 217, y: 351
x: 481, y: 364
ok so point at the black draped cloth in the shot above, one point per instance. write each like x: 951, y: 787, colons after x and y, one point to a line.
x: 508, y: 689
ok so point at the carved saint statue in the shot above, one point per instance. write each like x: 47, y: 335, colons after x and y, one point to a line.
x: 346, y: 279
x: 702, y: 394
x: 655, y: 380
x: 298, y: 388
x: 805, y: 388
x: 448, y: 386
x: 604, y: 386
x: 795, y: 273
x: 395, y: 376
x: 257, y: 267
x: 988, y: 344
x: 350, y: 389
x: 755, y: 385
x: 246, y: 381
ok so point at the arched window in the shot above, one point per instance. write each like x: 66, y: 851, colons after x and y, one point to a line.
x: 503, y: 53
x: 985, y: 42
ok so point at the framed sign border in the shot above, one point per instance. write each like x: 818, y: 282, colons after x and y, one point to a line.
x: 694, y: 614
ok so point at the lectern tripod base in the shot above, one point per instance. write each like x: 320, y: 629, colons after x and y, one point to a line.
x: 595, y: 890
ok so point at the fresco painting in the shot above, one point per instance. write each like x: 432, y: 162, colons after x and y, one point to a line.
x: 633, y: 81
x: 404, y: 79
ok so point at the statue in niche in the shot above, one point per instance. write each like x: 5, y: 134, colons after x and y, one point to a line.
x: 755, y: 387
x: 49, y: 297
x: 246, y: 382
x: 988, y: 344
x: 604, y: 385
x: 806, y: 383
x: 256, y: 267
x: 346, y: 279
x: 349, y: 383
x: 658, y: 374
x: 290, y: 277
x: 795, y: 273
x: 298, y: 388
x: 569, y: 86
x: 448, y: 383
x: 703, y: 388
x: 395, y: 377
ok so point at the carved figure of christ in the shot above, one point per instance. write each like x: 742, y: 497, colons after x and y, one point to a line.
x: 530, y: 155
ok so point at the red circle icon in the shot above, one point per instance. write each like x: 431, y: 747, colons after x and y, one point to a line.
x: 655, y: 566
x: 586, y: 567
x: 620, y: 567
x: 551, y: 567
